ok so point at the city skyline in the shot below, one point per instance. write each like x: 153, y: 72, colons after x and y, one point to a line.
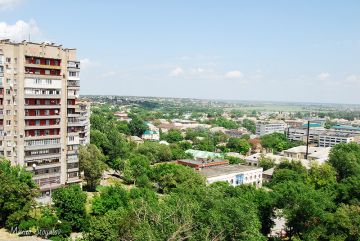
x: 301, y: 52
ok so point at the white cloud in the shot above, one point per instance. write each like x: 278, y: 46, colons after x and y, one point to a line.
x: 9, y: 4
x: 323, y: 76
x: 87, y: 63
x: 234, y: 74
x: 177, y: 71
x: 353, y: 79
x: 19, y: 31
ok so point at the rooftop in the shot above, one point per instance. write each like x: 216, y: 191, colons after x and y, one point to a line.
x: 346, y: 127
x: 226, y: 170
x: 203, y: 154
x: 312, y: 149
x: 202, y: 163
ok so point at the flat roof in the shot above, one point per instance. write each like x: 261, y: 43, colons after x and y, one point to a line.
x: 226, y: 170
x: 346, y: 127
x: 198, y: 162
x: 312, y: 149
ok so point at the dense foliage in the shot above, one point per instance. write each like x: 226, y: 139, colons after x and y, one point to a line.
x: 17, y: 191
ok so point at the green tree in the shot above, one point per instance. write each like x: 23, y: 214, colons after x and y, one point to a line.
x: 345, y: 158
x: 276, y: 141
x: 249, y: 125
x: 266, y: 163
x: 92, y: 164
x: 136, y: 167
x: 50, y: 226
x: 137, y: 126
x: 110, y: 198
x: 344, y: 224
x: 155, y: 152
x: 348, y: 190
x: 239, y: 145
x: 304, y: 208
x: 170, y: 176
x: 69, y: 203
x: 17, y: 191
x: 322, y: 176
x: 173, y: 136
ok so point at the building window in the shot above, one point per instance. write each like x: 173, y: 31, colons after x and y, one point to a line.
x: 47, y: 62
x: 37, y: 61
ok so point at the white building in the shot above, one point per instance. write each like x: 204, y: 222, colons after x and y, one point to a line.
x: 321, y: 154
x: 151, y: 135
x: 299, y: 134
x: 268, y: 127
x: 235, y: 175
x: 330, y: 139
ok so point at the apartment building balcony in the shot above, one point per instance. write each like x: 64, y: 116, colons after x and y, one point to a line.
x: 46, y: 175
x: 73, y: 115
x: 73, y: 180
x: 72, y: 159
x: 41, y: 117
x: 58, y: 106
x: 75, y: 169
x: 35, y: 127
x: 73, y: 78
x: 51, y: 186
x: 75, y: 123
x: 37, y: 75
x: 72, y: 96
x: 74, y: 82
x: 44, y: 166
x: 42, y: 96
x: 73, y: 65
x: 73, y: 152
x: 48, y: 155
x: 37, y: 147
x: 28, y: 138
x: 43, y: 66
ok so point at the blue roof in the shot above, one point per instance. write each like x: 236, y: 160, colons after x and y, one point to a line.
x: 148, y: 132
x: 312, y: 125
x: 345, y: 127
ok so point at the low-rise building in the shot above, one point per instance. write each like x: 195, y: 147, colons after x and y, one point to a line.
x: 314, y: 153
x: 254, y: 160
x: 235, y: 174
x: 200, y: 164
x: 346, y: 129
x: 300, y: 134
x: 268, y: 127
x: 204, y: 155
x: 330, y: 139
x: 151, y: 135
x: 122, y: 116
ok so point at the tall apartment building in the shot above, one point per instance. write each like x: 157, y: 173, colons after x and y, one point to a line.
x: 41, y: 125
x: 268, y: 127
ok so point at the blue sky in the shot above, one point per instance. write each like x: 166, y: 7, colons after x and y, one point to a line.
x: 246, y: 50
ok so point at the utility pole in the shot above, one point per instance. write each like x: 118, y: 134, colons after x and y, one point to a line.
x: 307, y: 140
